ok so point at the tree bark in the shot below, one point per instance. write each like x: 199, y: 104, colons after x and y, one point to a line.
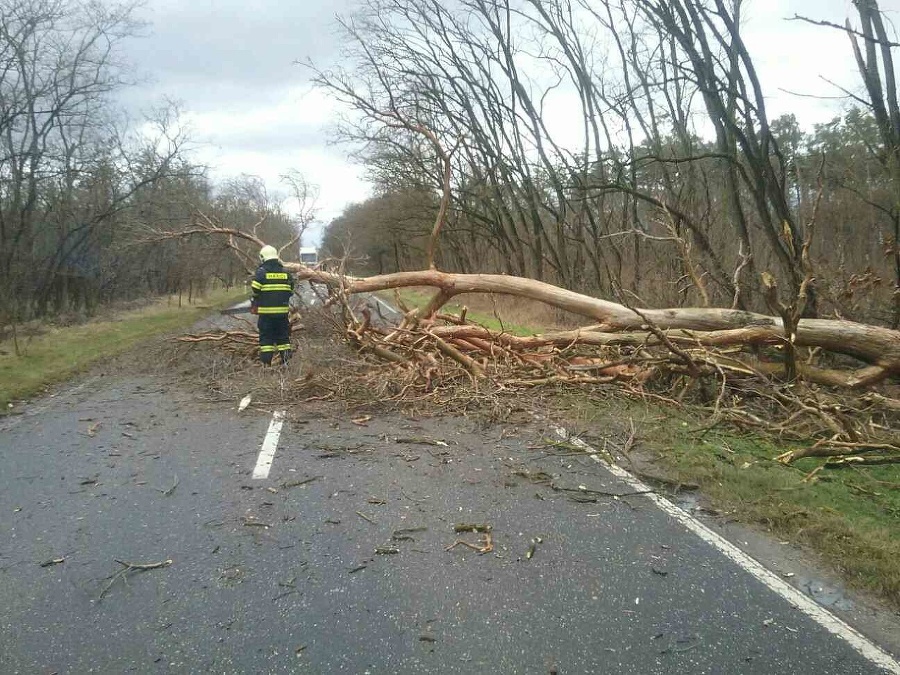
x: 874, y: 345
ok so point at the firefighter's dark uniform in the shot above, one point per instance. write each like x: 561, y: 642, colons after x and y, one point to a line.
x: 272, y: 290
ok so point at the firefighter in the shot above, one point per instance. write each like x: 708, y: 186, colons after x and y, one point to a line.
x: 272, y: 288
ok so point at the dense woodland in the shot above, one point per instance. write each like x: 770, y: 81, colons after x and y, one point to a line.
x: 682, y: 192
x: 83, y: 188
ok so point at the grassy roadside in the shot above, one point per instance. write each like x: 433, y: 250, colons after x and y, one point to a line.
x: 57, y: 353
x: 848, y: 516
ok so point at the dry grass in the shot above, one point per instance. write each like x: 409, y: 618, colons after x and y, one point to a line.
x: 497, y: 312
x: 521, y: 311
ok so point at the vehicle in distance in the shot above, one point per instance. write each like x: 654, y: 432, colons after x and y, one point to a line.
x: 309, y: 256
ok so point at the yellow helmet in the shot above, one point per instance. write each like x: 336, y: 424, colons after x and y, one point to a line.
x: 268, y: 253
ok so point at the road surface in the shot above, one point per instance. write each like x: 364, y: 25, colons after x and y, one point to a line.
x: 337, y: 560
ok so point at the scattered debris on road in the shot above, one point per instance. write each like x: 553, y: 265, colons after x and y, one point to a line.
x: 53, y: 561
x: 421, y: 440
x: 536, y: 477
x: 485, y: 542
x: 529, y: 554
x: 249, y: 522
x: 131, y: 567
x: 583, y: 489
x: 297, y: 483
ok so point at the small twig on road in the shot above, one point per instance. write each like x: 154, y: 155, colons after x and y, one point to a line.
x: 52, y: 561
x: 412, y: 499
x: 604, y: 493
x: 536, y: 477
x: 421, y: 440
x: 298, y: 483
x: 365, y: 517
x: 255, y: 523
x: 485, y: 544
x: 529, y: 554
x: 171, y: 490
x: 131, y: 567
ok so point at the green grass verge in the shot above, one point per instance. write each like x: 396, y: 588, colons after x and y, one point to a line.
x: 415, y: 298
x: 57, y: 353
x: 849, y: 516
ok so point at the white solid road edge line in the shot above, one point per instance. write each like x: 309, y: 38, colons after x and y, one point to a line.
x: 269, y: 444
x: 816, y: 612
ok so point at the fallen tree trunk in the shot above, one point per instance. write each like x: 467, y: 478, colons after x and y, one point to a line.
x: 680, y: 351
x: 877, y: 346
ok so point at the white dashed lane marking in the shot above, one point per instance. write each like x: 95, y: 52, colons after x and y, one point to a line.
x: 269, y: 445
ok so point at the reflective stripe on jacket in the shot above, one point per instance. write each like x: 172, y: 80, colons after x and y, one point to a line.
x: 272, y: 288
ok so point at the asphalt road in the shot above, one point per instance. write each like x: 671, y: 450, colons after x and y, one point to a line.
x: 280, y: 575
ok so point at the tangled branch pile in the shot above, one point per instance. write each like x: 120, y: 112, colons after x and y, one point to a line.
x: 732, y: 363
x: 803, y: 380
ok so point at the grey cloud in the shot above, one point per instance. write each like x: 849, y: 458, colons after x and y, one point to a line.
x: 208, y: 51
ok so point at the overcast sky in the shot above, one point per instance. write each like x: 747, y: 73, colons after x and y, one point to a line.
x: 231, y: 66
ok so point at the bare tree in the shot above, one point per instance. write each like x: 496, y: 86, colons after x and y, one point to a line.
x: 67, y: 169
x: 304, y: 196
